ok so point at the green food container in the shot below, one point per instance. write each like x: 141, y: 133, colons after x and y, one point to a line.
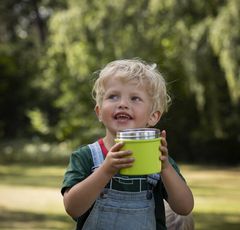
x: 144, y: 144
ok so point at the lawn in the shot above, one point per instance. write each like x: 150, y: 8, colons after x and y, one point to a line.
x: 216, y: 193
x: 30, y: 197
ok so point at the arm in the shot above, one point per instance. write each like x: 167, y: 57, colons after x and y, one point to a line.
x: 180, y: 197
x: 78, y: 199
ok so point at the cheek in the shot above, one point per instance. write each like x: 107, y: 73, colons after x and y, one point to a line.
x: 105, y: 111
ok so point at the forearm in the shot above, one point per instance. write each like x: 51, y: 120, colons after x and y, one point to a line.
x: 180, y: 197
x: 80, y: 197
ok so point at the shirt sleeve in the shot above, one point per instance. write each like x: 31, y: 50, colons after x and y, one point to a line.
x: 175, y: 166
x: 79, y: 167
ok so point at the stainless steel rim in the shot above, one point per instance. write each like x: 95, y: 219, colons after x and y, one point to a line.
x: 138, y: 134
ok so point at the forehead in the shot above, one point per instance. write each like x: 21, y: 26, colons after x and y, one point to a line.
x: 118, y: 81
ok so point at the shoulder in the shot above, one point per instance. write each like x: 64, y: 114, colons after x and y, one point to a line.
x: 81, y: 152
x: 79, y: 167
x: 81, y: 159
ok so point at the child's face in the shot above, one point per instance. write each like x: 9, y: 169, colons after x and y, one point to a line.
x: 125, y: 105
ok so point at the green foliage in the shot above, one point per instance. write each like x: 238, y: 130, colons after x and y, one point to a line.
x: 38, y: 121
x: 194, y: 43
x: 224, y: 37
x: 23, y: 33
x: 15, y: 89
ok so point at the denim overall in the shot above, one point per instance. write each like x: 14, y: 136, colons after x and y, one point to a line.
x: 122, y: 210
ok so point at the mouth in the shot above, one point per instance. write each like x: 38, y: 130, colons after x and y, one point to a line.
x: 122, y: 117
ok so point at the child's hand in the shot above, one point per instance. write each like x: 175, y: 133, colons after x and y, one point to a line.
x: 117, y: 159
x: 164, y: 150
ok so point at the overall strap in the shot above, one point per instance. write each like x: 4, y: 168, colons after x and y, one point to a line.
x: 153, y: 179
x: 97, y: 155
x: 97, y: 161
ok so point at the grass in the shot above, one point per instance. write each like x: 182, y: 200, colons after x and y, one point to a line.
x: 30, y: 220
x: 31, y: 199
x: 27, y: 175
x: 216, y: 192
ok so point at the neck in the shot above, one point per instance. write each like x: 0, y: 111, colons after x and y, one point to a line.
x: 109, y: 141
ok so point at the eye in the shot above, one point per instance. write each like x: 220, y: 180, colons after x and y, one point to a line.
x: 136, y: 98
x: 112, y: 97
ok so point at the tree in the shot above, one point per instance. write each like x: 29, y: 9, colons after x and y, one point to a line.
x: 83, y: 38
x: 23, y: 32
x: 194, y: 43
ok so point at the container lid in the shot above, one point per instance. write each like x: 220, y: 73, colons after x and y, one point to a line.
x: 138, y: 134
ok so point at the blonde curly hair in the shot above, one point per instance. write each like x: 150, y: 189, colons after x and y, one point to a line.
x: 144, y: 74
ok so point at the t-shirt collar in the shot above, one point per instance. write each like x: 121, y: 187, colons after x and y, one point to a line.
x: 103, y: 147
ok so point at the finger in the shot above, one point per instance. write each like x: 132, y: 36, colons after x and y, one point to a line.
x: 117, y: 147
x: 163, y: 158
x: 123, y: 162
x: 121, y: 166
x: 164, y: 134
x: 125, y: 165
x: 163, y: 142
x: 164, y: 150
x: 120, y: 154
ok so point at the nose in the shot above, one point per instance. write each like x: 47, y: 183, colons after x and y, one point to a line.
x: 123, y: 103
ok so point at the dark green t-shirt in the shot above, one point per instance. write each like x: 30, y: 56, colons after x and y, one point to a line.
x: 80, y: 167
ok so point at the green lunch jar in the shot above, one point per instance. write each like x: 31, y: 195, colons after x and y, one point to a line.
x: 144, y: 144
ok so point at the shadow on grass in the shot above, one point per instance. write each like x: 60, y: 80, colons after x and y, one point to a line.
x: 34, y: 221
x: 32, y: 175
x: 30, y: 220
x: 34, y: 180
x: 220, y: 221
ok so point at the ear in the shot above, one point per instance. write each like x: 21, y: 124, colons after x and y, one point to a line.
x: 154, y: 118
x: 98, y: 112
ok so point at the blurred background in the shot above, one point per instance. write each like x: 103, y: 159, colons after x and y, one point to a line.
x: 50, y: 52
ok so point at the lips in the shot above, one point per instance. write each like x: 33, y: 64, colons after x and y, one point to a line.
x: 122, y: 116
